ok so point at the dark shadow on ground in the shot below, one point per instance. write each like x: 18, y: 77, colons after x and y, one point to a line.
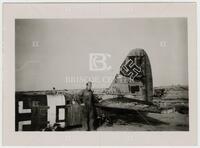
x: 140, y: 118
x: 136, y: 118
x: 126, y: 100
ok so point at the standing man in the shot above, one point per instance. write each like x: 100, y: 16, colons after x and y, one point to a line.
x: 88, y: 110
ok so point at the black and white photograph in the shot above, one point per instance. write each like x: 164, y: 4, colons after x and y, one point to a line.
x: 96, y: 74
x: 99, y: 74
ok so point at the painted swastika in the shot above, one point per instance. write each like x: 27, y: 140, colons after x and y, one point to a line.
x: 130, y: 69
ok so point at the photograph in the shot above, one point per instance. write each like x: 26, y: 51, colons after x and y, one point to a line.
x: 101, y: 74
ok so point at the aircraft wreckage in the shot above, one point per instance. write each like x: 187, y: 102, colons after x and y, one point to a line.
x: 130, y: 92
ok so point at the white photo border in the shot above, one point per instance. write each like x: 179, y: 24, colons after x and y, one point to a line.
x: 12, y: 11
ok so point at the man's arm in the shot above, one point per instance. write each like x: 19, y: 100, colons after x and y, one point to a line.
x: 96, y: 98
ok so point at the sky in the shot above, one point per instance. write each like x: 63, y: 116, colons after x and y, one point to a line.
x: 56, y: 52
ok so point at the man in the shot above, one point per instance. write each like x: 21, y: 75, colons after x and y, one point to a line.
x: 54, y: 92
x: 88, y: 110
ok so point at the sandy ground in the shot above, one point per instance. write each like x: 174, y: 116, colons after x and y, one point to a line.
x: 149, y: 122
x: 146, y: 122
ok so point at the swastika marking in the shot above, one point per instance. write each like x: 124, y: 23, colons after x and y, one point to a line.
x: 130, y: 69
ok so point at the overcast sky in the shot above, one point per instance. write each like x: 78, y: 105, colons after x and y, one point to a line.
x: 64, y: 46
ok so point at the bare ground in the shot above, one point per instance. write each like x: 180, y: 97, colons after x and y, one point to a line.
x: 149, y: 122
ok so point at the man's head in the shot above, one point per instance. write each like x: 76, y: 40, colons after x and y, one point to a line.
x: 89, y: 85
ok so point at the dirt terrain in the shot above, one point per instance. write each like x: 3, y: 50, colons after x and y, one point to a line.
x: 150, y: 122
